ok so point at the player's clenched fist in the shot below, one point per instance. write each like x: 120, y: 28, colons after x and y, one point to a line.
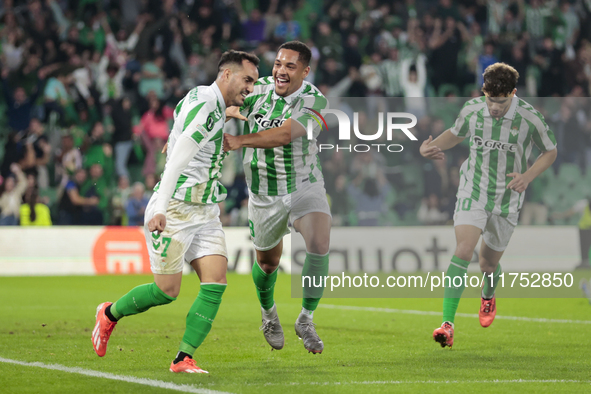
x: 431, y: 152
x: 157, y: 223
x: 231, y: 142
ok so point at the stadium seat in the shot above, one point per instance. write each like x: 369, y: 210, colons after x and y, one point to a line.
x: 551, y: 197
x: 413, y: 180
x: 51, y: 193
x: 469, y: 88
x: 353, y: 218
x: 135, y: 173
x: 390, y: 219
x: 447, y: 88
x: 587, y: 182
x: 570, y: 172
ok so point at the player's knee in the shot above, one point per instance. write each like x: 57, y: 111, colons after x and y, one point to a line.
x: 269, y: 265
x: 487, y: 266
x: 318, y: 245
x: 464, y: 251
x: 268, y: 261
x: 170, y: 290
x: 218, y: 279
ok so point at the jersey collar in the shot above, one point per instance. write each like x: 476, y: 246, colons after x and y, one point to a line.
x: 219, y: 95
x: 289, y: 99
x: 510, y: 114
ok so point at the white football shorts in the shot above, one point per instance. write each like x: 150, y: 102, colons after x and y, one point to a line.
x: 192, y: 231
x: 496, y: 230
x: 269, y: 216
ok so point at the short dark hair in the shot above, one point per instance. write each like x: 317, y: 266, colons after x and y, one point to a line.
x: 237, y: 57
x: 299, y: 47
x: 499, y: 80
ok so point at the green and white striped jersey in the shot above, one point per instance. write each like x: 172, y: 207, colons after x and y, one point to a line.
x: 279, y: 171
x: 201, y: 114
x: 497, y: 148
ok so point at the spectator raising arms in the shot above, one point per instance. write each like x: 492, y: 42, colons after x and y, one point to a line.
x: 10, y: 198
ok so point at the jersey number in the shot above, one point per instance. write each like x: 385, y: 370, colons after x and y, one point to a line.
x: 465, y: 204
x: 156, y: 243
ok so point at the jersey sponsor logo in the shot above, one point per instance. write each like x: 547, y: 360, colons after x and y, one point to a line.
x: 481, y: 143
x: 268, y: 123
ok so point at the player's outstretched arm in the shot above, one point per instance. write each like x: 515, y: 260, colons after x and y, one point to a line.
x: 520, y: 181
x: 433, y: 148
x: 266, y: 139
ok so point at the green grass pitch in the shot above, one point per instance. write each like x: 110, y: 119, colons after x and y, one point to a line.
x: 50, y: 319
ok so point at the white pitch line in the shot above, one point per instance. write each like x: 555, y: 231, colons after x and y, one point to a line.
x: 105, y: 375
x: 433, y: 313
x: 393, y: 382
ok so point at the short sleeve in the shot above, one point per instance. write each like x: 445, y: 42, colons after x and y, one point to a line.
x: 307, y: 111
x: 71, y: 186
x: 542, y: 136
x: 199, y: 122
x: 461, y: 127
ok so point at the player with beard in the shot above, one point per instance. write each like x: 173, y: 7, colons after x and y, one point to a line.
x: 182, y: 217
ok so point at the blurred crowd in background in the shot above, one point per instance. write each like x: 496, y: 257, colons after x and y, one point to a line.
x: 89, y: 87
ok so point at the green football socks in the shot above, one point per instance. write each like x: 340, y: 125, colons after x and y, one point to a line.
x: 452, y: 293
x: 140, y: 299
x: 201, y: 316
x: 488, y: 290
x: 316, y: 269
x: 265, y: 284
